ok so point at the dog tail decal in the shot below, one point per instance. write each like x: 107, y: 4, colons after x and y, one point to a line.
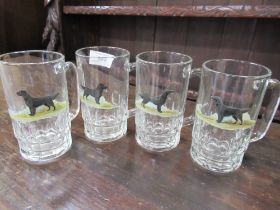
x: 144, y: 96
x: 55, y: 95
x: 244, y: 110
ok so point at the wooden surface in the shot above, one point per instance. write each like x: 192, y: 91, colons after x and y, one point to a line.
x: 235, y: 11
x: 253, y: 39
x: 22, y: 24
x: 123, y: 176
x: 202, y: 38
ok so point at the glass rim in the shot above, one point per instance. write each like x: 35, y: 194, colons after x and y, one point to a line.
x: 61, y: 57
x: 78, y: 51
x: 267, y: 74
x: 159, y: 63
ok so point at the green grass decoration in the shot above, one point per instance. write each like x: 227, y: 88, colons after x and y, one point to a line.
x: 90, y: 101
x: 151, y: 110
x: 228, y: 124
x: 41, y: 112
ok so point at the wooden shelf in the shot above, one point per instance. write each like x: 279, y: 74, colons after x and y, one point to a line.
x: 234, y: 11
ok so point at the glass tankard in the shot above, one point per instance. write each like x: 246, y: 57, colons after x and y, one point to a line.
x: 35, y: 87
x: 104, y: 81
x: 230, y: 96
x: 162, y: 80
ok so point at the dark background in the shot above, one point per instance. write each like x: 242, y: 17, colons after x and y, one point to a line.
x: 21, y: 24
x: 255, y: 39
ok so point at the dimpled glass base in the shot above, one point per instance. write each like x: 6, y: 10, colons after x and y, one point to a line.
x: 104, y: 125
x: 157, y: 134
x: 105, y: 134
x: 218, y: 150
x: 45, y: 140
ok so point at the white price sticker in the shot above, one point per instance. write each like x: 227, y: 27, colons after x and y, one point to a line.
x: 101, y: 59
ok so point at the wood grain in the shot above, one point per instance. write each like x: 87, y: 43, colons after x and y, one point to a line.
x: 237, y: 11
x: 122, y: 176
x: 3, y: 33
x: 22, y: 24
x: 265, y: 48
x: 233, y: 42
x: 178, y: 26
x: 202, y: 38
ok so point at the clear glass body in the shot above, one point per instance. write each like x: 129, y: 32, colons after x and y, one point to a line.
x: 35, y: 87
x: 161, y: 88
x: 104, y: 80
x: 230, y: 95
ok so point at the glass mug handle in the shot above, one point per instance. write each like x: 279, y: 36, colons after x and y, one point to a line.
x: 74, y: 101
x: 131, y: 112
x: 189, y: 120
x: 270, y: 109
